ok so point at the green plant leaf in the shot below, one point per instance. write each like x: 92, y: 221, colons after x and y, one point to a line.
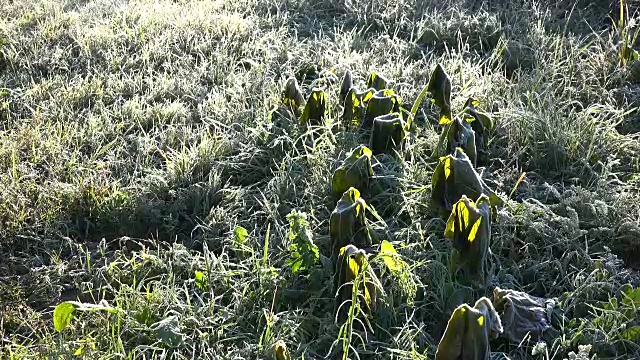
x: 315, y: 110
x: 389, y: 256
x: 416, y: 104
x: 168, y: 331
x: 304, y: 253
x: 240, y: 235
x: 632, y: 334
x: 62, y: 315
x: 631, y: 298
x: 388, y: 134
x: 65, y: 311
x: 202, y: 282
x: 440, y: 89
x: 280, y: 351
x: 347, y: 84
x: 376, y: 81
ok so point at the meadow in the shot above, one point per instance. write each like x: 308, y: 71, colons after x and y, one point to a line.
x: 152, y: 184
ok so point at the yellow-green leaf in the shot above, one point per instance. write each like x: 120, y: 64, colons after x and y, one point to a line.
x: 62, y: 315
x: 447, y: 167
x: 389, y: 254
x: 353, y: 267
x: 474, y: 230
x: 445, y: 119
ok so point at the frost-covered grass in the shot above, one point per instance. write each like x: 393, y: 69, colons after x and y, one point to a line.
x: 135, y: 137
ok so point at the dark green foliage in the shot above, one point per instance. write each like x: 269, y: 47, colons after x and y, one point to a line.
x: 469, y: 228
x: 355, y: 172
x: 353, y: 269
x: 481, y: 123
x: 347, y: 224
x: 468, y: 332
x: 376, y: 81
x: 347, y: 84
x: 388, y: 134
x: 454, y: 177
x: 316, y: 109
x: 440, y: 89
x: 459, y: 134
x: 522, y: 315
x: 304, y: 253
x: 355, y: 105
x: 383, y: 102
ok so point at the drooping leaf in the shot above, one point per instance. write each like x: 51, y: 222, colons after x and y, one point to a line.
x: 469, y: 331
x: 168, y: 332
x: 280, y: 351
x: 440, y: 89
x: 382, y: 102
x: 316, y: 108
x: 292, y: 95
x: 355, y: 171
x: 459, y: 134
x: 65, y: 311
x: 347, y: 84
x: 522, y: 315
x: 481, y: 123
x: 347, y: 224
x: 62, y: 315
x: 469, y: 229
x: 353, y: 268
x: 388, y: 134
x: 376, y: 81
x: 455, y: 176
x: 355, y: 106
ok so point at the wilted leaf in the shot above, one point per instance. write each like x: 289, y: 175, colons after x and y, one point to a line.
x: 292, y: 95
x: 469, y: 229
x: 347, y: 84
x: 355, y: 106
x: 382, y: 102
x: 468, y: 332
x: 376, y: 81
x: 280, y: 351
x: 523, y: 316
x: 459, y: 134
x: 455, y: 176
x: 347, y: 224
x: 440, y: 89
x: 388, y: 134
x: 316, y: 108
x: 355, y: 172
x: 351, y: 264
